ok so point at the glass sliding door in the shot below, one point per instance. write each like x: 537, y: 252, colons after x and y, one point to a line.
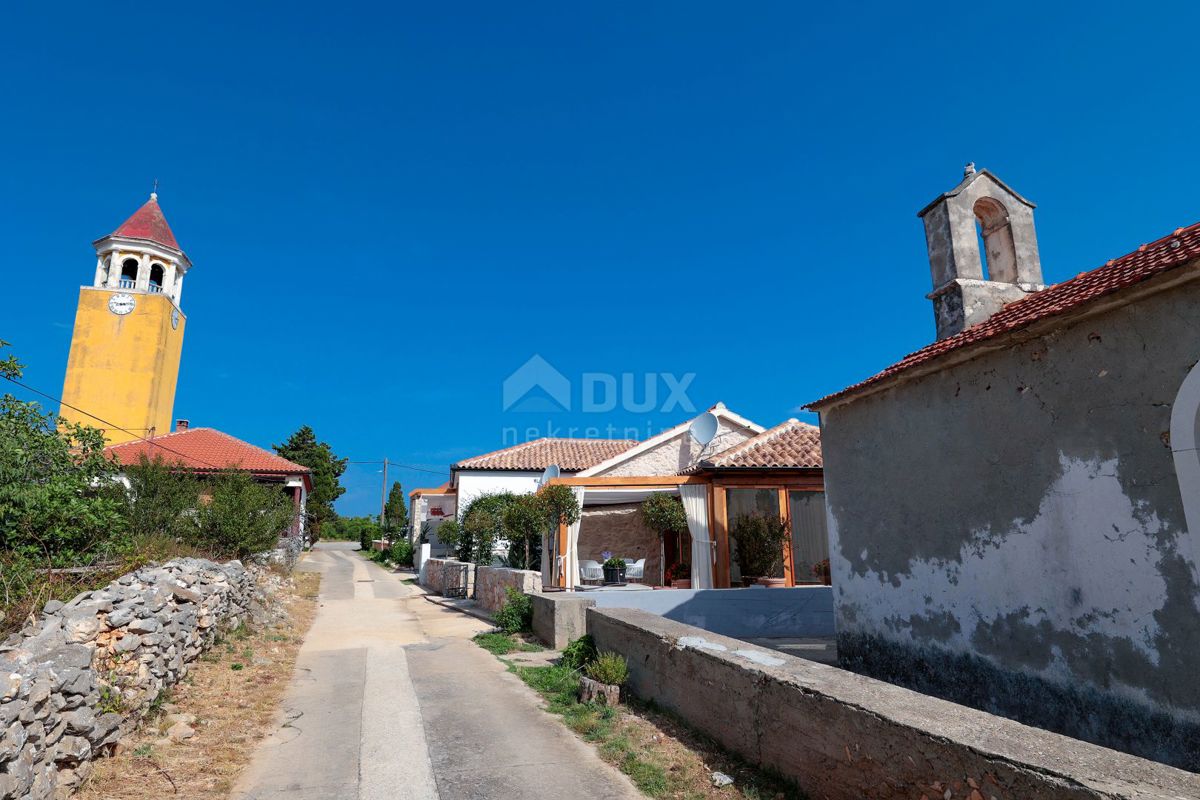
x: 810, y: 537
x: 740, y: 503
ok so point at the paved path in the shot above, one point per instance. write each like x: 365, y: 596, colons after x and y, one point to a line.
x: 392, y: 700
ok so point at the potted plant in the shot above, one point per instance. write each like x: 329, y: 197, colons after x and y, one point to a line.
x: 760, y: 540
x: 603, y: 677
x: 681, y: 575
x: 822, y: 572
x: 614, y: 568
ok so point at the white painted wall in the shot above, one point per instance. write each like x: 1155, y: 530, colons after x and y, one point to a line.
x: 476, y: 482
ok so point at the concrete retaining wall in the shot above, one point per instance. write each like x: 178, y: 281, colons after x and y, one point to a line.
x: 440, y: 574
x: 81, y: 676
x: 492, y: 581
x: 842, y: 736
x: 800, y: 612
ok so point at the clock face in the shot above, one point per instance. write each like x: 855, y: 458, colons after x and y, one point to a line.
x: 121, y: 304
x: 174, y: 318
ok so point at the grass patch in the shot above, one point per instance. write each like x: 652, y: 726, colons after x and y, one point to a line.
x: 501, y: 644
x: 663, y: 757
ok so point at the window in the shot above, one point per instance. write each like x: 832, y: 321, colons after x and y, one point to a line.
x: 129, y: 271
x: 156, y: 277
x: 810, y: 537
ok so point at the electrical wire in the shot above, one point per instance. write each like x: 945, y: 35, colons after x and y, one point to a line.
x: 155, y: 443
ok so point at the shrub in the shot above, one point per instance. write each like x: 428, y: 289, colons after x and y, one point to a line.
x: 579, y: 653
x: 402, y: 552
x: 663, y: 513
x: 609, y: 667
x: 243, y: 517
x: 516, y: 615
x: 482, y: 527
x: 760, y: 539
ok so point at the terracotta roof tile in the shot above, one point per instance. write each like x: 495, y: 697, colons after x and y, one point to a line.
x: 1148, y: 261
x: 148, y: 222
x: 792, y: 444
x: 571, y: 455
x: 205, y: 450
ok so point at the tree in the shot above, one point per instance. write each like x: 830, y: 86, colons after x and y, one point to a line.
x: 525, y: 522
x: 243, y: 517
x: 395, y: 513
x: 664, y: 514
x: 58, y: 499
x: 161, y: 501
x: 303, y: 448
x: 483, y: 527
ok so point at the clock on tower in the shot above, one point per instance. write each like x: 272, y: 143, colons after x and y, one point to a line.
x: 128, y: 338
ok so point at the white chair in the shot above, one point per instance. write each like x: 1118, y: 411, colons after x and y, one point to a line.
x: 635, y: 570
x: 590, y: 571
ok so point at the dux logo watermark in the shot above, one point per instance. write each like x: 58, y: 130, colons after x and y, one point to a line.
x: 538, y: 387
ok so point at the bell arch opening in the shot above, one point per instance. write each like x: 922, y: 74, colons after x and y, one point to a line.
x: 997, y: 251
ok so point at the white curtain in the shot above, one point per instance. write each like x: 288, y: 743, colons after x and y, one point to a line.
x: 571, y: 557
x: 695, y: 505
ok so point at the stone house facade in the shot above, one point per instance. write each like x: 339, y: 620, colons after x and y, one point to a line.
x: 1013, y: 511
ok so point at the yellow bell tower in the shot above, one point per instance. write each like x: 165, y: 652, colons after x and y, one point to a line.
x: 128, y: 337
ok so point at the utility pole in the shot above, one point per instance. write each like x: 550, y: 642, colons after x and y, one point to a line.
x: 383, y: 499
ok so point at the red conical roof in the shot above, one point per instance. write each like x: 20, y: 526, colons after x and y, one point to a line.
x: 148, y: 222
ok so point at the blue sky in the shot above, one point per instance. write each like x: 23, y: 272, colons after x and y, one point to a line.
x: 390, y: 208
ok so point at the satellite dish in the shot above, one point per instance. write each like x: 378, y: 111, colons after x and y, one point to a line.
x: 548, y: 474
x: 704, y: 428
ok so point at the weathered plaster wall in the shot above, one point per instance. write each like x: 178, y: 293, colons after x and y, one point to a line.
x: 491, y: 582
x: 679, y: 452
x: 1010, y: 532
x: 841, y: 736
x: 619, y: 529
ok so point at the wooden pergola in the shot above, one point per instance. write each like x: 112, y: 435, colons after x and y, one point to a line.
x: 719, y: 482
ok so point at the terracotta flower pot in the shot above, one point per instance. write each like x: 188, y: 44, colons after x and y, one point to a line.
x: 681, y: 583
x: 772, y: 583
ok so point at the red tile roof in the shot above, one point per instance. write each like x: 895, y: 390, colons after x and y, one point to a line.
x: 792, y: 444
x: 148, y: 222
x: 571, y: 455
x: 445, y: 488
x: 1148, y: 261
x: 205, y: 450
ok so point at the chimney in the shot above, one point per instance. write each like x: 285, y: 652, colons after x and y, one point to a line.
x: 181, y: 425
x: 971, y: 282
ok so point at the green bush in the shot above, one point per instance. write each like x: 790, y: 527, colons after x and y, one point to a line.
x: 609, y: 667
x: 243, y: 517
x: 579, y: 653
x: 516, y: 615
x: 402, y: 552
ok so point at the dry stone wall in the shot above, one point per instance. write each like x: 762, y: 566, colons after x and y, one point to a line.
x: 442, y: 574
x: 76, y: 680
x: 492, y: 581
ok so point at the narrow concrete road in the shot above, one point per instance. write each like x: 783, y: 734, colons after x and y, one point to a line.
x: 391, y: 699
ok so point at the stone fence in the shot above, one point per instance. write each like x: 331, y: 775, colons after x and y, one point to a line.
x: 492, y: 581
x: 76, y: 680
x: 442, y: 574
x: 843, y: 736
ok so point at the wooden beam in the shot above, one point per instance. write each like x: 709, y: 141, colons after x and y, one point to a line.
x: 785, y: 515
x: 721, y: 529
x: 631, y: 481
x: 562, y: 551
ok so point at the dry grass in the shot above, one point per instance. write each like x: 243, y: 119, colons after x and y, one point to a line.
x: 234, y: 692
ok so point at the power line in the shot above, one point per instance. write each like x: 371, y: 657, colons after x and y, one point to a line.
x: 403, y: 466
x: 161, y: 446
x: 105, y: 422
